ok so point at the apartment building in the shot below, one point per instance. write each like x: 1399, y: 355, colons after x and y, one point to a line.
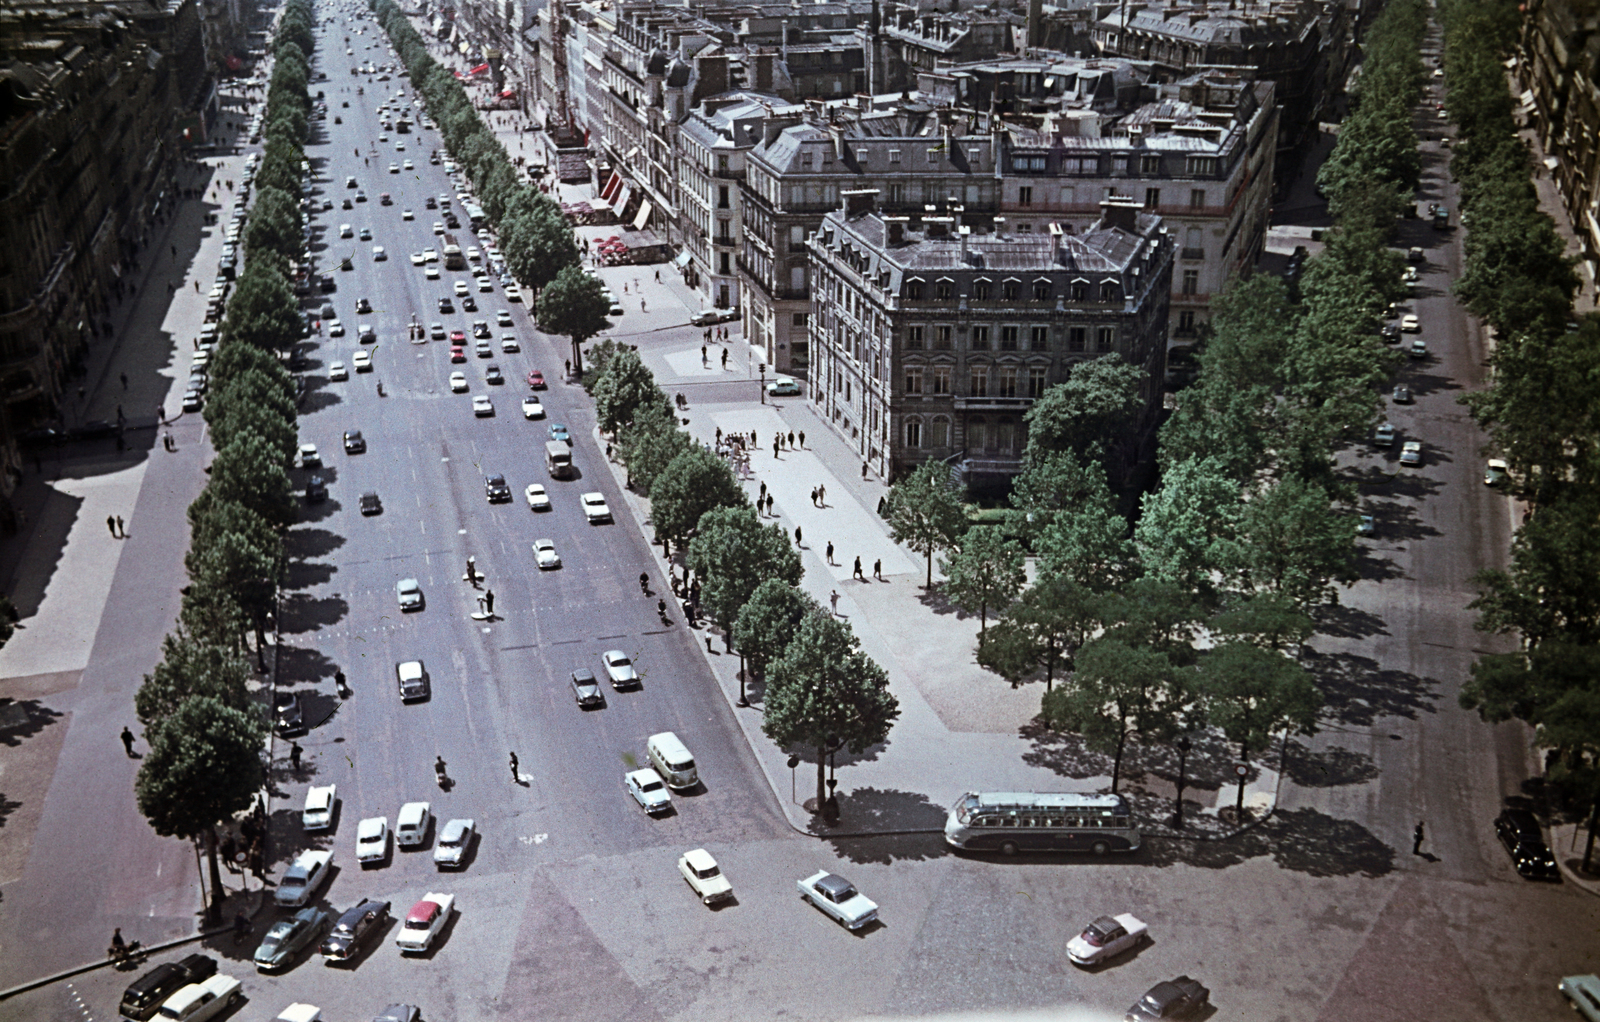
x: 930, y: 341
x: 1556, y: 61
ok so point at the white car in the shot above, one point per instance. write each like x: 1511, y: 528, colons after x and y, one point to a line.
x: 503, y: 317
x: 1383, y: 436
x: 378, y: 254
x: 649, y: 790
x: 372, y: 839
x: 1410, y: 324
x: 300, y: 881
x: 1106, y: 937
x: 538, y: 499
x: 309, y: 458
x: 704, y: 876
x: 532, y: 409
x: 513, y: 293
x: 335, y: 328
x: 362, y: 360
x: 481, y: 407
x: 454, y: 840
x: 461, y: 289
x: 431, y: 255
x: 318, y: 813
x: 458, y: 383
x: 406, y: 214
x: 416, y: 257
x: 544, y: 554
x: 839, y: 898
x: 1411, y: 452
x: 423, y: 923
x: 407, y: 165
x: 431, y: 271
x: 411, y: 824
x: 595, y: 508
x: 620, y: 669
x: 509, y: 344
x: 438, y: 227
x: 337, y: 371
x: 346, y: 231
x: 485, y: 285
x: 473, y: 255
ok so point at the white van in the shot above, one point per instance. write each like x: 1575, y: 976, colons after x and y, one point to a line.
x: 411, y: 826
x: 672, y: 761
x: 199, y: 1001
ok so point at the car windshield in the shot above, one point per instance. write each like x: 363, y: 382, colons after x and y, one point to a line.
x: 650, y: 786
x: 296, y: 877
x: 707, y: 873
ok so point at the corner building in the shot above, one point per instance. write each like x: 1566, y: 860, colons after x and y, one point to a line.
x: 931, y: 341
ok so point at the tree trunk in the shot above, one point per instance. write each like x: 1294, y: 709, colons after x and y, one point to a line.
x: 822, y: 776
x: 1049, y: 663
x: 930, y: 566
x: 983, y: 622
x: 214, y: 910
x: 1594, y: 817
x: 1244, y: 757
x: 1116, y: 763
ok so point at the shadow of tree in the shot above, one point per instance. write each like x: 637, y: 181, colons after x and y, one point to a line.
x: 301, y: 613
x: 1300, y: 840
x: 1327, y: 768
x: 24, y: 718
x: 7, y: 807
x: 306, y: 543
x: 885, y: 809
x: 1346, y: 622
x: 1357, y: 693
x: 937, y: 602
x: 300, y: 575
x: 297, y: 663
x: 1062, y: 752
x: 1397, y: 521
x: 888, y: 848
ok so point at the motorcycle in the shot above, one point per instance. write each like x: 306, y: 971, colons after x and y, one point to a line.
x: 661, y: 609
x: 438, y: 773
x: 380, y: 388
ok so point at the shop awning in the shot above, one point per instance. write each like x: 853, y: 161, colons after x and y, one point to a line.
x: 682, y: 260
x: 643, y: 217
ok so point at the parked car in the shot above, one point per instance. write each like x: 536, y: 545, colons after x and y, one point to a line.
x: 1584, y: 993
x: 372, y: 839
x: 144, y: 996
x: 309, y: 871
x: 455, y: 838
x: 1495, y: 472
x: 1411, y: 453
x: 1519, y: 831
x: 1180, y: 997
x: 356, y: 926
x: 288, y: 937
x: 198, y: 1002
x: 838, y: 898
x: 1105, y: 938
x: 423, y: 923
x: 1383, y: 436
x: 318, y: 812
x: 704, y: 876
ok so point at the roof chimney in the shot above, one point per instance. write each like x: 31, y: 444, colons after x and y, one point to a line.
x: 858, y: 201
x: 1120, y: 211
x: 963, y: 231
x: 897, y: 228
x: 1056, y: 234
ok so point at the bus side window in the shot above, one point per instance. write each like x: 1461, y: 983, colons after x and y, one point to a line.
x: 1054, y: 821
x: 1008, y: 821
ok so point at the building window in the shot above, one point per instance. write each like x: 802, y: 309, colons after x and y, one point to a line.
x: 976, y: 440
x: 913, y: 338
x: 722, y: 196
x: 897, y: 195
x: 722, y: 164
x: 797, y: 278
x: 942, y: 338
x: 797, y: 238
x: 1102, y: 338
x: 1039, y: 338
x: 1197, y: 198
x: 913, y: 290
x: 941, y: 383
x: 1005, y: 437
x: 1108, y: 292
x: 913, y: 381
x: 980, y: 338
x: 1191, y: 282
x: 805, y: 159
x: 981, y: 291
x: 939, y: 433
x: 1152, y: 198
x: 1036, y: 377
x: 1006, y: 383
x: 1080, y: 292
x: 1009, y: 290
x: 894, y: 156
x: 1186, y: 323
x: 933, y: 156
x: 1025, y: 195
x: 1069, y: 195
x: 797, y: 195
x: 942, y: 291
x: 1008, y: 338
x: 799, y: 319
x: 979, y: 382
x: 1076, y: 338
x: 913, y: 433
x: 1024, y: 228
x: 724, y: 266
x: 1200, y: 166
x: 1149, y: 164
x: 1041, y: 290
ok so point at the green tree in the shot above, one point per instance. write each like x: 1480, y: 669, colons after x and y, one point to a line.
x: 1045, y: 628
x: 650, y: 442
x: 538, y: 248
x: 623, y: 386
x: 190, y: 668
x: 1271, y: 621
x: 1095, y: 414
x: 693, y: 483
x: 825, y: 694
x: 1251, y: 694
x: 212, y: 616
x: 1091, y: 546
x: 572, y: 304
x: 236, y: 549
x: 1292, y: 541
x: 733, y: 553
x: 767, y: 622
x: 985, y: 572
x: 250, y: 471
x: 924, y: 513
x: 1116, y: 691
x: 262, y: 311
x: 1050, y: 485
x: 1185, y: 529
x: 274, y: 224
x: 203, y: 767
x: 1551, y: 590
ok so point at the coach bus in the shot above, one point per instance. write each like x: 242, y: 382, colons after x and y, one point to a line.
x: 1025, y: 821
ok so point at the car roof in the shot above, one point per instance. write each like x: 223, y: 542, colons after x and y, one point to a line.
x: 583, y: 674
x: 699, y: 859
x: 372, y: 825
x: 834, y: 884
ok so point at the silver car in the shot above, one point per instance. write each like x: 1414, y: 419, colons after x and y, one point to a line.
x: 620, y: 669
x: 409, y: 592
x: 455, y: 838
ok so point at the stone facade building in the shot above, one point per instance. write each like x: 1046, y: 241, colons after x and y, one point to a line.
x: 1558, y: 67
x: 931, y: 341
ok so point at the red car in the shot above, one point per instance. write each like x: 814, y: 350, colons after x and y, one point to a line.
x: 535, y: 379
x: 458, y: 337
x: 458, y: 353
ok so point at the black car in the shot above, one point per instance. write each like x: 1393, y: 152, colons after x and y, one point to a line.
x: 290, y: 717
x: 354, y: 442
x: 363, y: 306
x: 1402, y: 394
x: 94, y: 429
x: 144, y: 995
x: 1519, y: 831
x: 1391, y: 333
x: 355, y: 927
x: 469, y: 304
x: 327, y: 280
x: 399, y: 1013
x: 370, y: 504
x: 495, y: 488
x: 316, y: 490
x: 432, y: 203
x: 445, y: 305
x: 1175, y: 998
x: 492, y: 374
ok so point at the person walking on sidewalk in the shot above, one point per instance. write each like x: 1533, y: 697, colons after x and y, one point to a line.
x: 797, y: 535
x: 516, y: 778
x: 724, y: 358
x: 877, y: 569
x: 1416, y: 839
x: 833, y: 600
x: 822, y: 495
x: 813, y: 496
x: 769, y: 505
x: 857, y: 573
x: 294, y: 756
x: 127, y: 741
x: 121, y: 532
x: 802, y: 438
x: 830, y: 552
x: 703, y: 357
x: 111, y: 524
x: 791, y: 440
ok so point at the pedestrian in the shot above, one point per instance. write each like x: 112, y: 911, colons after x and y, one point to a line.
x: 830, y: 551
x: 797, y: 535
x: 338, y: 679
x: 877, y: 569
x: 702, y: 354
x: 608, y: 452
x: 883, y: 506
x: 791, y: 440
x: 724, y: 358
x: 124, y: 382
x: 569, y: 366
x: 488, y: 599
x: 658, y: 276
x: 857, y: 573
x: 294, y: 755
x: 241, y: 927
x: 641, y: 305
x: 172, y: 445
x: 759, y: 500
x: 802, y: 438
x: 774, y: 448
x: 822, y: 495
x: 863, y: 470
x: 197, y: 287
x: 813, y: 496
x: 120, y: 530
x: 127, y: 741
x: 769, y: 505
x: 515, y: 777
x: 833, y: 598
x: 111, y: 524
x: 1416, y: 839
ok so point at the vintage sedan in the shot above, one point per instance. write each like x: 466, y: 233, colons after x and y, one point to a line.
x: 838, y: 897
x: 356, y: 926
x: 648, y: 789
x: 1105, y: 938
x: 704, y: 876
x: 1181, y: 997
x: 288, y: 937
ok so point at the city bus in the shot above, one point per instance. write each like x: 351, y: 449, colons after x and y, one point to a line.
x: 1025, y: 821
x: 453, y: 259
